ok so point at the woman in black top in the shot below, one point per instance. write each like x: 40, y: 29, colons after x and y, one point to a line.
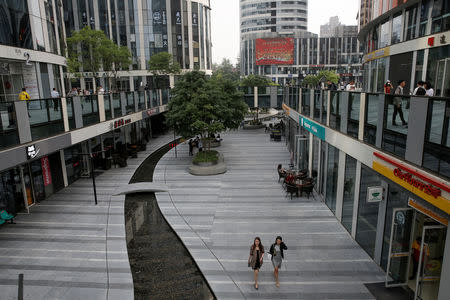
x: 255, y: 260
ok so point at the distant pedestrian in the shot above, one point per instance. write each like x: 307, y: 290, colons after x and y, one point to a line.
x: 255, y: 260
x: 351, y: 86
x: 55, y: 96
x: 101, y: 90
x: 397, y: 101
x: 429, y: 89
x: 200, y: 145
x: 420, y: 90
x: 388, y: 87
x: 24, y: 95
x: 276, y: 251
x: 191, y: 147
x: 73, y: 92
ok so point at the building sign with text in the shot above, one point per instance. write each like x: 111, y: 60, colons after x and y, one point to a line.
x: 313, y: 127
x: 417, y: 182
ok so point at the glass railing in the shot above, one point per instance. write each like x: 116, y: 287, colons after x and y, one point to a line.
x: 107, y: 103
x: 89, y: 108
x: 141, y: 100
x: 335, y: 110
x: 154, y: 95
x: 45, y: 117
x: 8, y: 125
x: 372, y: 116
x: 165, y: 96
x: 70, y: 113
x: 395, y: 129
x: 117, y: 105
x: 317, y: 101
x: 354, y: 102
x: 130, y: 107
x: 306, y: 102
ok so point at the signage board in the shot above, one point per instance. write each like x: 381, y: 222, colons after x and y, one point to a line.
x: 32, y: 151
x: 374, y: 194
x: 275, y: 51
x: 434, y: 215
x: 416, y: 181
x: 313, y: 127
x: 46, y: 172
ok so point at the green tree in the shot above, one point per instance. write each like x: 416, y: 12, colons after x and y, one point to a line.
x: 204, y: 106
x: 226, y: 70
x: 92, y: 51
x: 328, y: 75
x: 310, y: 81
x: 161, y: 65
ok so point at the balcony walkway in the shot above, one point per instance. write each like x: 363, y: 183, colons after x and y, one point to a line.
x: 68, y: 248
x: 217, y: 218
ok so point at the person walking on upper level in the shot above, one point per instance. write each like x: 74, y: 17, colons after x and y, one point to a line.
x: 24, y: 95
x: 55, y: 96
x: 420, y: 90
x: 429, y: 88
x: 255, y: 260
x: 388, y: 87
x: 276, y: 250
x: 397, y: 101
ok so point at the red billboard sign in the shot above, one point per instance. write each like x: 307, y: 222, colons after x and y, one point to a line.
x: 46, y: 172
x: 275, y: 51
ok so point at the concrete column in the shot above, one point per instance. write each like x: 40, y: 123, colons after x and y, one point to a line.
x: 23, y: 121
x: 311, y: 104
x: 273, y: 96
x: 300, y: 101
x: 381, y: 100
x: 255, y: 96
x: 328, y: 108
x: 101, y: 107
x: 123, y: 103
x: 444, y: 287
x: 190, y: 35
x: 356, y: 199
x: 416, y: 130
x: 160, y: 97
x: 77, y: 112
x: 65, y: 115
x: 362, y: 116
x: 63, y: 167
x: 136, y: 101
x: 340, y: 185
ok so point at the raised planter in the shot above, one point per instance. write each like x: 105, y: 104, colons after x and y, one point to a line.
x: 209, y: 168
x: 214, y: 144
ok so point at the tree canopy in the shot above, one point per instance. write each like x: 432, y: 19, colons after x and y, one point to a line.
x: 163, y: 64
x: 205, y: 106
x: 323, y: 76
x: 93, y: 51
x: 226, y: 70
x: 256, y: 80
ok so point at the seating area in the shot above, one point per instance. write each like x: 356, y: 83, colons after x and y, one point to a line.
x: 296, y: 182
x: 5, y: 216
x: 276, y: 131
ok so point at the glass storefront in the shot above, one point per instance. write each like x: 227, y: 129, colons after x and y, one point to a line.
x: 11, y: 193
x: 332, y: 177
x: 366, y: 229
x: 349, y: 192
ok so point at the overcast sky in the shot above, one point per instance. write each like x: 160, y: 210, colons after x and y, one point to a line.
x: 225, y: 22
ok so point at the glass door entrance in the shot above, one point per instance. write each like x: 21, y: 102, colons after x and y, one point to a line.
x: 399, y: 258
x: 428, y: 276
x: 302, y: 150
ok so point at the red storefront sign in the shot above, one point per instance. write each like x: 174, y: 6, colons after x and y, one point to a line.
x: 46, y: 172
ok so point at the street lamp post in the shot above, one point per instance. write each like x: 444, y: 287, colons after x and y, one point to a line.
x: 91, y: 158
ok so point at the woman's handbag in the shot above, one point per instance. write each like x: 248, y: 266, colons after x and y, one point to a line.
x: 249, y: 260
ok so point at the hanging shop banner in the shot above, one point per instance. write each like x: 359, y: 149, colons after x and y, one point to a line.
x: 313, y: 127
x: 432, y: 190
x: 275, y: 51
x: 46, y: 172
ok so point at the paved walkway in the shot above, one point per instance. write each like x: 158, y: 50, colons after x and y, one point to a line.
x: 217, y: 217
x: 68, y: 248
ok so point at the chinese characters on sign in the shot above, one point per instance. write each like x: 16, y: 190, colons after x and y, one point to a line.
x: 46, y: 172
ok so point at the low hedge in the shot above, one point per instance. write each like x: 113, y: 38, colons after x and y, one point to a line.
x: 206, y: 156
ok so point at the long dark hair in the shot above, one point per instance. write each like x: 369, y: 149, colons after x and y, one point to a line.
x: 261, y: 247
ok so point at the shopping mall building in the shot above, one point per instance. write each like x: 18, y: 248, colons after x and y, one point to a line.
x: 179, y: 27
x: 45, y: 143
x: 275, y: 43
x: 387, y: 183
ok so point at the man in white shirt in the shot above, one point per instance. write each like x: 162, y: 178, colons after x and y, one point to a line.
x: 55, y: 96
x: 351, y: 86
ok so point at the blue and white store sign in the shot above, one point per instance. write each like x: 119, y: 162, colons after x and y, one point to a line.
x: 313, y: 127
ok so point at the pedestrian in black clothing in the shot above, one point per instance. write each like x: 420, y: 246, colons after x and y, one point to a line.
x: 191, y: 147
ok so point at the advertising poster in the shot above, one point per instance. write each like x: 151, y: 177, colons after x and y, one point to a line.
x: 275, y: 51
x: 46, y: 172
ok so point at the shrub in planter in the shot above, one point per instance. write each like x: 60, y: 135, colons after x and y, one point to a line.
x: 205, y: 157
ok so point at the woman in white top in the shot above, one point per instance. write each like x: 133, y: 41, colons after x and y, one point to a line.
x: 429, y: 89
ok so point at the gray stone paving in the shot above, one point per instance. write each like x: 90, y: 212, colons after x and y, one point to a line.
x: 68, y: 248
x: 217, y: 218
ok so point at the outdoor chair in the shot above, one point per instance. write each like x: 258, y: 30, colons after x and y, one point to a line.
x: 291, y: 189
x: 6, y: 217
x: 308, y: 189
